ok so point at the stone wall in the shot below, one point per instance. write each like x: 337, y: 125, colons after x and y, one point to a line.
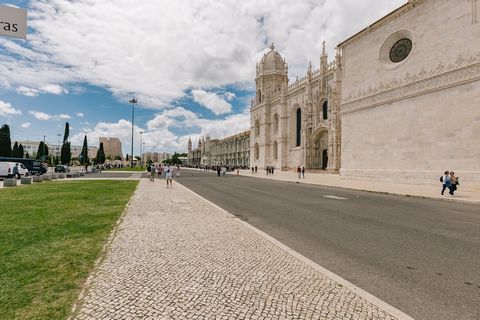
x: 410, y: 121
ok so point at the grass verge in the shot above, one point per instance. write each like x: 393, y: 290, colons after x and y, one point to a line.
x: 50, y: 236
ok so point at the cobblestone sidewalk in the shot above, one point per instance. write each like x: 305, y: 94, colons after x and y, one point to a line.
x: 177, y: 256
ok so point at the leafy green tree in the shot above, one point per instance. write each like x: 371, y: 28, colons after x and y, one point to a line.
x: 21, y: 151
x: 27, y: 155
x: 15, y: 150
x: 42, y: 152
x: 66, y: 153
x: 84, y: 154
x: 5, y: 142
x: 100, y: 154
x: 66, y: 133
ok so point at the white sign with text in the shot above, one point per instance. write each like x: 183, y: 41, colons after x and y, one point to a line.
x: 13, y: 22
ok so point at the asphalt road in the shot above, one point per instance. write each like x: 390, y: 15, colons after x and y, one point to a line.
x: 421, y: 256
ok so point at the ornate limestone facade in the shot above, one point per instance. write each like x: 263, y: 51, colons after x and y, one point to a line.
x: 298, y: 123
x: 411, y: 87
x: 233, y: 151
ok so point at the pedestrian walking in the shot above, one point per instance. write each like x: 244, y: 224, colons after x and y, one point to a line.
x: 16, y: 173
x: 445, y: 180
x: 303, y: 172
x: 299, y: 171
x: 178, y: 171
x: 273, y: 168
x: 218, y: 171
x: 454, y: 183
x: 153, y: 173
x: 169, y: 175
x: 149, y: 173
x: 255, y: 169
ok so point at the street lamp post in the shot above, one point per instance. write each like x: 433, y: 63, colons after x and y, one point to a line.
x: 141, y: 149
x: 132, y: 101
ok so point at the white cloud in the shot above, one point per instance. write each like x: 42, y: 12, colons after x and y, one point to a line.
x: 6, y: 109
x: 40, y: 115
x: 25, y: 125
x: 53, y: 89
x: 79, y: 114
x: 29, y: 92
x: 125, y: 47
x: 45, y: 116
x: 212, y: 101
x: 182, y: 118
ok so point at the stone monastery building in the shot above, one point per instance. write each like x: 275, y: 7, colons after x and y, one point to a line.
x: 399, y: 102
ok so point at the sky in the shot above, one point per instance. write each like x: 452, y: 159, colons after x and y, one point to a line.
x: 190, y: 64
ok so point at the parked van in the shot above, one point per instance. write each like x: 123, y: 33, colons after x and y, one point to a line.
x: 34, y: 166
x: 6, y: 169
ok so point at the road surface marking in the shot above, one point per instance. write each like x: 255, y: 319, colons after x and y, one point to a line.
x: 335, y: 197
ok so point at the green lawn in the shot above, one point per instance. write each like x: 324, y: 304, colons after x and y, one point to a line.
x: 50, y: 236
x: 128, y: 169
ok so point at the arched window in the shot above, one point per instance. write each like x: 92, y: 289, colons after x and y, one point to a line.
x: 257, y: 127
x: 259, y: 96
x: 299, y: 127
x: 325, y: 110
x: 275, y: 123
x: 256, y: 151
x: 275, y: 150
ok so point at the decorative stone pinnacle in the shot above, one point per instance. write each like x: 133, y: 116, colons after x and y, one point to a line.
x: 272, y: 47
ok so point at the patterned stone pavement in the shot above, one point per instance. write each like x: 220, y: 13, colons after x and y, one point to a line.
x: 177, y: 256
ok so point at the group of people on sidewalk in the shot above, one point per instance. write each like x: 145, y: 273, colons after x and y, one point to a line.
x: 301, y: 171
x: 450, y: 181
x: 160, y: 171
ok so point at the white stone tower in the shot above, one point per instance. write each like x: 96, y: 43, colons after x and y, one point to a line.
x: 271, y: 81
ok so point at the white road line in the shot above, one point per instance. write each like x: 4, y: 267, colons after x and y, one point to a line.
x: 335, y: 197
x: 362, y: 293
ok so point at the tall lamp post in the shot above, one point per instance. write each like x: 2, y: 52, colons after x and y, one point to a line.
x: 141, y: 149
x: 132, y: 101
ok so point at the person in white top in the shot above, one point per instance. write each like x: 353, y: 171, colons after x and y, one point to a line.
x: 168, y: 175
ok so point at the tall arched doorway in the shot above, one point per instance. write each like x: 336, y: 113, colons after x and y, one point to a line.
x: 320, y: 151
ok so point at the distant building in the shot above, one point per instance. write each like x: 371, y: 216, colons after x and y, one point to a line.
x: 31, y: 147
x: 155, y: 156
x: 231, y: 151
x: 112, y: 147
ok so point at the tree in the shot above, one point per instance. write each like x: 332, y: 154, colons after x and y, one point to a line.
x: 126, y: 158
x: 42, y: 152
x: 5, y: 142
x: 15, y: 150
x: 21, y: 152
x: 65, y: 153
x: 66, y: 133
x: 100, y: 154
x: 84, y: 154
x: 27, y: 155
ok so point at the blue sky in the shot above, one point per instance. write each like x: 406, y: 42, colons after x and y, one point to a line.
x: 190, y: 64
